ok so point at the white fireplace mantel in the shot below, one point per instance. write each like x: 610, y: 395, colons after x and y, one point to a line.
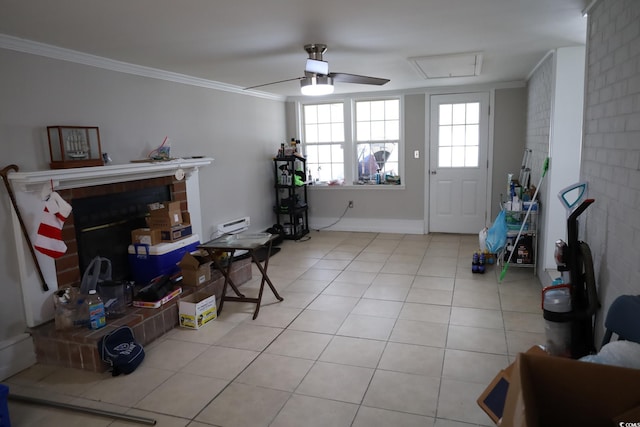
x: 62, y: 179
x: 28, y: 188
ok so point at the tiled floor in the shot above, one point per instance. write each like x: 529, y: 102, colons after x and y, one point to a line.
x: 374, y: 330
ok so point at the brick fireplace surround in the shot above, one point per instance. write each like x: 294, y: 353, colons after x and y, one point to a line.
x: 77, y: 348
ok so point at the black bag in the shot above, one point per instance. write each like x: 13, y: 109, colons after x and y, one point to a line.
x: 121, y: 351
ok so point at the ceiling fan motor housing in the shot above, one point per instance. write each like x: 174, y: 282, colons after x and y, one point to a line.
x: 316, y: 50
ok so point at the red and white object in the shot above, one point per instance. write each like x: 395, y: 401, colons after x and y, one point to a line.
x: 49, y: 239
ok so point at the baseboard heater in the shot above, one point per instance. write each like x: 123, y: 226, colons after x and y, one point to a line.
x: 235, y: 226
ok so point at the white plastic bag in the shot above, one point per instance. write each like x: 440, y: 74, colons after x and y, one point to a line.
x: 482, y: 239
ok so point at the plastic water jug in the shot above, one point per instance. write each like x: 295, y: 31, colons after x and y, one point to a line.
x: 557, y: 299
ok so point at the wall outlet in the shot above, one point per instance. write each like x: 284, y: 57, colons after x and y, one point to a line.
x: 350, y: 203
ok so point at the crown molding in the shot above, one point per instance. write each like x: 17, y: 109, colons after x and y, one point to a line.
x: 55, y: 52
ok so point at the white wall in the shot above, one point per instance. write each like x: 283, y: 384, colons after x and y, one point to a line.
x: 565, y: 142
x: 134, y: 114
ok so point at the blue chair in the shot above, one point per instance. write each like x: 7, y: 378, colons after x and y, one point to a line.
x: 623, y: 318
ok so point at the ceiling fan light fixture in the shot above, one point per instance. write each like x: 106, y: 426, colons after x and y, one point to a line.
x: 316, y: 85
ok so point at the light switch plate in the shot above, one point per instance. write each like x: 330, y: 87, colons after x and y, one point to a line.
x: 416, y: 154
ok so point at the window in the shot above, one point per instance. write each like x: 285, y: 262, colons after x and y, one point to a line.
x: 458, y: 135
x: 377, y: 137
x: 362, y: 150
x: 324, y: 136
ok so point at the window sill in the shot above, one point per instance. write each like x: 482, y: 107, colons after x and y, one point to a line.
x: 321, y: 187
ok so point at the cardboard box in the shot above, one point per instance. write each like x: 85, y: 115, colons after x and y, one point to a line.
x: 174, y: 233
x: 196, y: 268
x: 164, y: 215
x: 492, y: 399
x: 146, y: 236
x: 554, y: 391
x: 197, y: 309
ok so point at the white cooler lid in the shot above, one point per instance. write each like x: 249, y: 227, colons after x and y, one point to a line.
x: 164, y: 248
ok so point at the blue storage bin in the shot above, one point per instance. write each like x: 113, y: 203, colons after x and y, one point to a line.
x: 148, y: 262
x: 4, y: 408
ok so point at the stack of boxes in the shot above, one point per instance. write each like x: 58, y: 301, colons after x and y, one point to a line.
x: 157, y: 249
x: 167, y: 246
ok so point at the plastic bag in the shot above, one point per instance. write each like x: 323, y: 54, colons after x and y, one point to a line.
x: 497, y: 234
x: 99, y: 270
x: 482, y: 239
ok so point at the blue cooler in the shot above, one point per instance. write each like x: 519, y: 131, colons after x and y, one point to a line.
x: 148, y: 262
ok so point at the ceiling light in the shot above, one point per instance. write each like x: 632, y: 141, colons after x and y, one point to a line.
x: 316, y: 85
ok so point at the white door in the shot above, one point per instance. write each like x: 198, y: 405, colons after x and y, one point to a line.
x: 458, y: 162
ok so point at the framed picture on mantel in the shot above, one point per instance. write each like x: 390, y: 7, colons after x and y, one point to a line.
x: 74, y: 146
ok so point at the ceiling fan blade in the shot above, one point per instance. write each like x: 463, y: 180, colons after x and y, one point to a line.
x: 355, y: 78
x: 273, y: 83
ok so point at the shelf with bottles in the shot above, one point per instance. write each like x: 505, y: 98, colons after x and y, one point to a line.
x: 290, y: 182
x: 515, y: 219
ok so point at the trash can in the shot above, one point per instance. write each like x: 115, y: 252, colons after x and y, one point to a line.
x: 557, y: 299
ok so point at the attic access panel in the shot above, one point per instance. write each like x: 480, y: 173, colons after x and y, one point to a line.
x: 446, y: 66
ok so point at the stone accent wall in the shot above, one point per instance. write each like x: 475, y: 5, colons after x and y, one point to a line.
x: 539, y: 94
x: 611, y: 148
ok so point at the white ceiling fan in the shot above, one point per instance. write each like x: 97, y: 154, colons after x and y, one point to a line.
x: 317, y: 79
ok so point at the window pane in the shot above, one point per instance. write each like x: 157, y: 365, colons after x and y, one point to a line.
x: 337, y: 154
x: 472, y: 135
x: 377, y: 110
x: 324, y: 133
x: 457, y: 157
x: 444, y: 157
x: 312, y: 154
x: 363, y: 111
x: 392, y: 109
x: 324, y: 113
x: 392, y: 129
x: 337, y: 113
x: 457, y: 135
x: 310, y: 114
x: 337, y: 132
x: 445, y: 114
x: 377, y: 131
x: 363, y: 131
x: 471, y: 157
x: 324, y: 153
x: 311, y: 134
x: 337, y: 171
x: 324, y: 172
x: 473, y: 112
x: 458, y: 114
x: 444, y: 139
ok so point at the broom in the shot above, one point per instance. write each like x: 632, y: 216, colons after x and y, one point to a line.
x: 545, y: 168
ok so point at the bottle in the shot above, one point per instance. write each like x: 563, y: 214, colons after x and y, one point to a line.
x: 96, y: 310
x: 475, y: 263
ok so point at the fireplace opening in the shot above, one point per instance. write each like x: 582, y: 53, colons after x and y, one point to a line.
x: 103, y: 225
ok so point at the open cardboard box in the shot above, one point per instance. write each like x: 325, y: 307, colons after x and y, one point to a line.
x: 548, y: 391
x: 493, y: 398
x: 196, y: 268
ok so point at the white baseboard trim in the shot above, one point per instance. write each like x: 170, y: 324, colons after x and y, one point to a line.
x: 16, y: 354
x: 401, y: 226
